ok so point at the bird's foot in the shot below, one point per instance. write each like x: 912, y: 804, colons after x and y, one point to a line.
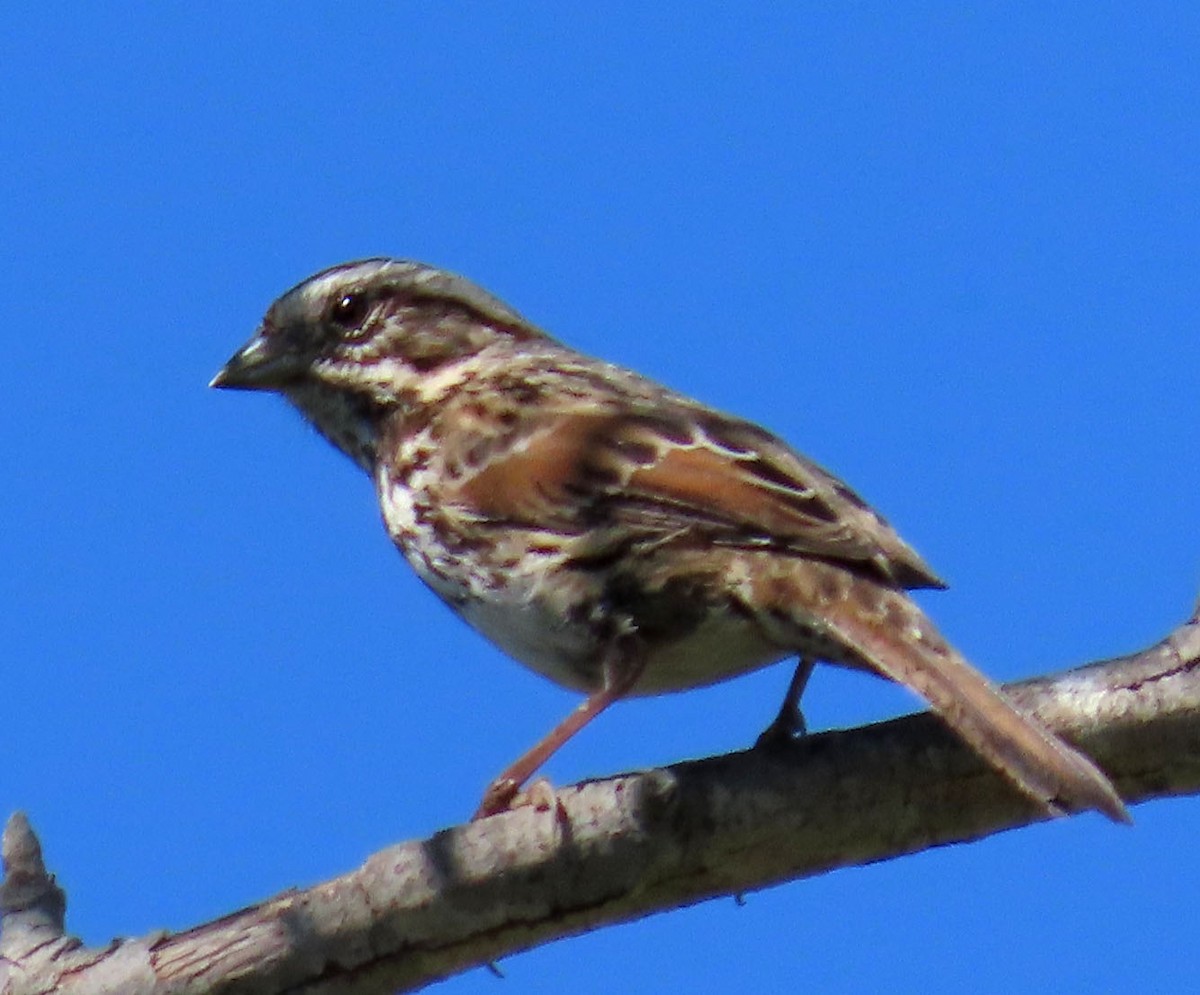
x: 504, y: 794
x: 787, y: 727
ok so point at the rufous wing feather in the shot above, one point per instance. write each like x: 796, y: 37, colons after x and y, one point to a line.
x: 662, y: 472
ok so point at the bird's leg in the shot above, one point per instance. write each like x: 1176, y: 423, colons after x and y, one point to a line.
x: 619, y: 678
x: 789, y: 723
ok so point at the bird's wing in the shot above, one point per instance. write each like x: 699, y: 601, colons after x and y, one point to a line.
x: 669, y: 469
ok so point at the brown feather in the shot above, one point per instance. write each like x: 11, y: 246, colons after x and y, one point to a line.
x: 613, y: 535
x: 894, y: 638
x: 569, y: 470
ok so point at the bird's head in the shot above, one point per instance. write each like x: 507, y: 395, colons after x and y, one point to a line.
x: 359, y: 341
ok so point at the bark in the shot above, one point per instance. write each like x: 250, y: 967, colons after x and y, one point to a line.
x: 618, y: 849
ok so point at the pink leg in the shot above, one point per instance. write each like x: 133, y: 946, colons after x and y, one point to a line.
x: 500, y: 792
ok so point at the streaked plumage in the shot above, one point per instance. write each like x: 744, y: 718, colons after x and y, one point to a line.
x: 613, y: 535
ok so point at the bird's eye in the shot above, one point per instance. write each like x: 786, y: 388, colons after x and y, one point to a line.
x: 349, y: 310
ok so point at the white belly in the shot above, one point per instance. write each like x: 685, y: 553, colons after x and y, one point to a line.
x: 528, y: 617
x: 724, y: 647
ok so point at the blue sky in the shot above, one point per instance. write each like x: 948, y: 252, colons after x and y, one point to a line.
x: 945, y: 252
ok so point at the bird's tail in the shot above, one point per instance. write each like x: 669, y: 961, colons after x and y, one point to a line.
x: 892, y: 636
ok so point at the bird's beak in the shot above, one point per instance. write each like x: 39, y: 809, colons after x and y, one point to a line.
x: 258, y: 365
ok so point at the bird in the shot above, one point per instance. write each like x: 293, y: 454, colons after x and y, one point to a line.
x: 615, y: 536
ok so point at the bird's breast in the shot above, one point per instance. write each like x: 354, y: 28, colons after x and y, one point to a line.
x: 529, y: 594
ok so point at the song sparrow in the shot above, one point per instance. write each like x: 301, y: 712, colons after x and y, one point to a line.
x: 614, y: 536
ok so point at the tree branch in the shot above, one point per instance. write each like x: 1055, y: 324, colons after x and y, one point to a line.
x: 614, y: 850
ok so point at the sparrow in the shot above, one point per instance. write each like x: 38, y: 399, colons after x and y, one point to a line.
x: 611, y: 534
